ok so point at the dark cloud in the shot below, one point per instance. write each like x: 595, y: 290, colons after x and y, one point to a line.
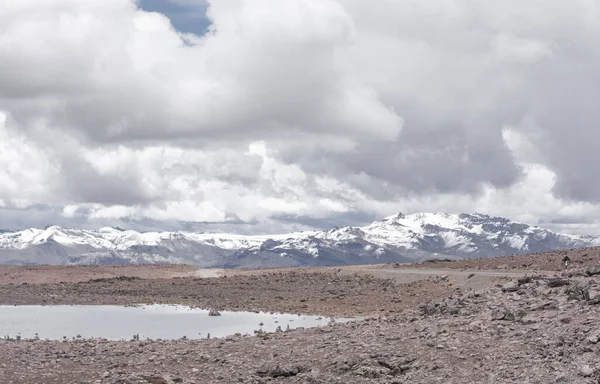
x: 562, y: 102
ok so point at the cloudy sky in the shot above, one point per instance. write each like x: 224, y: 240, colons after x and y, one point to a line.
x: 257, y: 116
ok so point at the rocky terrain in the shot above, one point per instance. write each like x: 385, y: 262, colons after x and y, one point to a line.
x: 329, y: 293
x: 542, y: 261
x: 508, y: 326
x: 397, y: 238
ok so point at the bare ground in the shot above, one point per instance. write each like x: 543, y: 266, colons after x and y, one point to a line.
x: 302, y: 291
x: 435, y: 322
x: 548, y: 261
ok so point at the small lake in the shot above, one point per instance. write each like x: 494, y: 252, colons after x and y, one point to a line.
x: 148, y: 321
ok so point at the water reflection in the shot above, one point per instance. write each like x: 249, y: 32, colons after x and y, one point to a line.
x: 148, y: 321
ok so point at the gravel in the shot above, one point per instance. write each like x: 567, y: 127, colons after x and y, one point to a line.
x: 539, y: 328
x: 488, y: 336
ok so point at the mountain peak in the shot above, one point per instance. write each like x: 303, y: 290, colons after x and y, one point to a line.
x: 52, y: 228
x: 397, y: 238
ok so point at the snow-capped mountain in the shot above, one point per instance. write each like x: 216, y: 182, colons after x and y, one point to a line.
x: 398, y: 238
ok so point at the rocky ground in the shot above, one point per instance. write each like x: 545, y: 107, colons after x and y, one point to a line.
x: 303, y: 291
x: 540, y: 328
x: 548, y: 261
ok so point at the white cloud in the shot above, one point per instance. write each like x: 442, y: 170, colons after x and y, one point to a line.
x: 512, y: 48
x: 314, y: 108
x: 26, y: 169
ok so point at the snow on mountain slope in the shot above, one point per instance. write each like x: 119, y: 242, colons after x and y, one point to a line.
x: 397, y: 238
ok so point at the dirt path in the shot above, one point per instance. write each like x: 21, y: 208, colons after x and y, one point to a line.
x: 400, y: 272
x: 473, y: 279
x: 213, y: 272
x: 392, y: 273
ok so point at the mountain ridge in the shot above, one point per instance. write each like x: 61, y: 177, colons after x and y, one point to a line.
x: 397, y: 238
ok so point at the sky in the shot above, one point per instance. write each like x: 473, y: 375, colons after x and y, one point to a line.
x: 264, y: 116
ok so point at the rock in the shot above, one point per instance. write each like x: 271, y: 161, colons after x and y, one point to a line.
x: 595, y: 300
x: 524, y: 280
x: 157, y: 380
x: 594, y: 270
x: 529, y: 320
x: 368, y: 372
x: 397, y: 366
x: 511, y: 286
x: 280, y: 371
x: 214, y: 312
x: 516, y: 316
x: 505, y: 314
x: 475, y: 326
x: 593, y: 339
x: 558, y: 282
x: 497, y: 314
x: 578, y: 292
x: 586, y: 371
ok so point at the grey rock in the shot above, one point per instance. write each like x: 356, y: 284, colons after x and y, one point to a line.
x: 280, y: 371
x: 558, y: 282
x: 577, y: 291
x: 511, y: 286
x: 507, y: 315
x: 475, y: 326
x: 594, y: 300
x: 594, y: 270
x: 529, y: 320
x: 586, y: 371
x: 497, y: 314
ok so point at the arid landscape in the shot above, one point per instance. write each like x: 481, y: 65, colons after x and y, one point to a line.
x: 299, y: 191
x: 504, y: 320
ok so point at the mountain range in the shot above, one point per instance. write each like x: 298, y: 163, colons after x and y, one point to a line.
x: 397, y: 238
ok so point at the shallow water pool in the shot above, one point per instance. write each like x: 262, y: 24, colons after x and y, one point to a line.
x: 147, y: 321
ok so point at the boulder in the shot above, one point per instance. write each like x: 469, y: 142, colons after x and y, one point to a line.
x: 594, y: 300
x: 593, y: 270
x: 578, y: 292
x: 558, y: 282
x: 505, y: 314
x: 511, y: 286
x: 586, y: 371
